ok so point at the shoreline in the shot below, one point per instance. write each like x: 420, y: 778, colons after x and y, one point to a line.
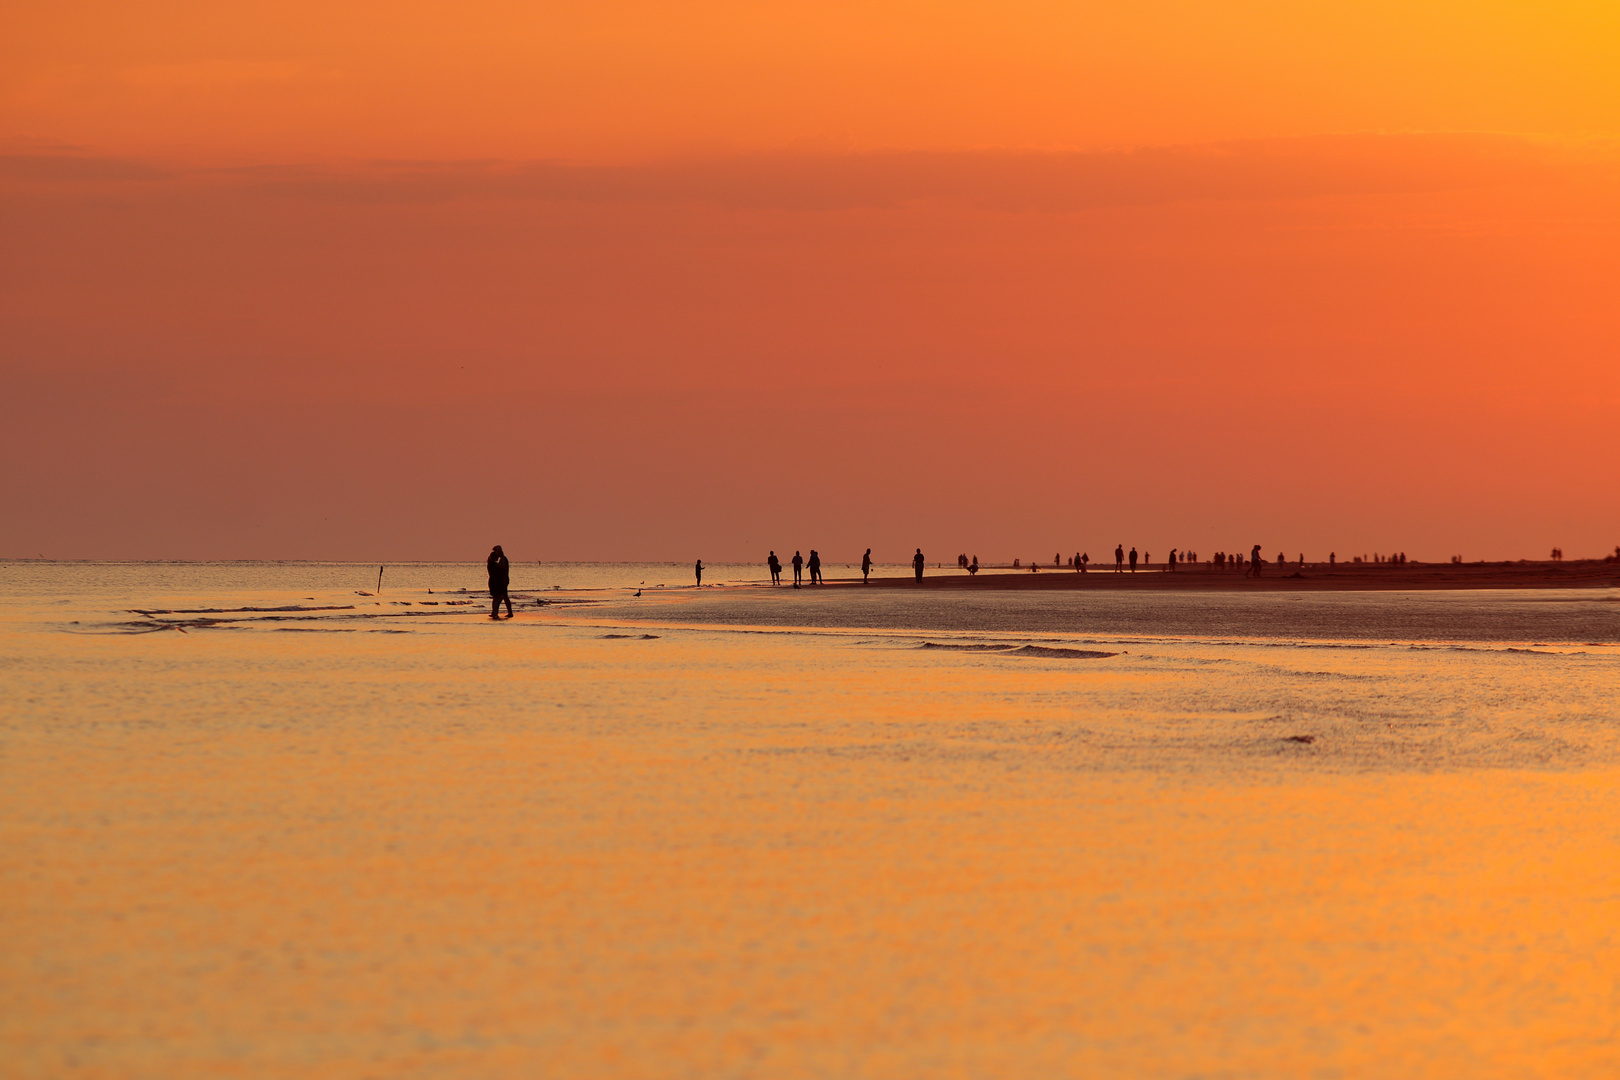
x: 1340, y: 577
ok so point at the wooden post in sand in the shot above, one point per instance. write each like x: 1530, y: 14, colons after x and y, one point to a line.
x: 379, y: 580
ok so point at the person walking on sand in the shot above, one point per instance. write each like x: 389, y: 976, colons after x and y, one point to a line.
x: 500, y: 580
x: 917, y: 564
x: 1119, y: 558
x: 1255, y: 562
x: 866, y: 566
x: 798, y: 568
x: 775, y: 566
x: 815, y: 567
x: 700, y: 573
x: 1172, y: 562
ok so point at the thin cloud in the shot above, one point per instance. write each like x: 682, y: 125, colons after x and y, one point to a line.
x: 1005, y: 180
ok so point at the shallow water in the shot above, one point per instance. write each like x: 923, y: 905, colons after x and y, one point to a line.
x: 755, y: 832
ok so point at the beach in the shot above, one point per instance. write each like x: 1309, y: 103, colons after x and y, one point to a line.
x: 650, y: 541
x: 1299, y: 577
x: 252, y: 828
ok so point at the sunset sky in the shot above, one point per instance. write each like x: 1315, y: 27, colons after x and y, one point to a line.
x: 675, y: 280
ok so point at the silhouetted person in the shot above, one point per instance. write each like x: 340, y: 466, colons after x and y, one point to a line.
x: 866, y: 566
x: 700, y: 573
x: 1281, y: 558
x: 1119, y: 558
x: 1085, y: 560
x: 973, y: 567
x: 917, y: 563
x: 1133, y: 560
x: 1256, y: 561
x: 798, y: 568
x: 775, y: 565
x: 815, y: 567
x: 500, y: 579
x: 1172, y: 559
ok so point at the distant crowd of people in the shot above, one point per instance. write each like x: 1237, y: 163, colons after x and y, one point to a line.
x: 1252, y: 565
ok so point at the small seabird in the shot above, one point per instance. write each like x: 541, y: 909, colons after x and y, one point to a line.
x: 638, y: 592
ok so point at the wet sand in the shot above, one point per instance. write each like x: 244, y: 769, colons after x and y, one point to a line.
x: 576, y: 844
x: 1583, y: 574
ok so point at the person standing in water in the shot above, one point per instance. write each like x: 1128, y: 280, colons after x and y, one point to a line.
x: 700, y: 573
x: 866, y: 566
x: 500, y: 580
x: 798, y: 568
x: 917, y: 564
x: 775, y: 566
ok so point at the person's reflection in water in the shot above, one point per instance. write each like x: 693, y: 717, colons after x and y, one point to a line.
x: 500, y: 579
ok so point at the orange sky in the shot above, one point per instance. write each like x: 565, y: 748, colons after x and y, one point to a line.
x: 652, y: 280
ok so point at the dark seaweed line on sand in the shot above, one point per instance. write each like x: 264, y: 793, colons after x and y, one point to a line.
x: 228, y: 611
x: 1046, y: 651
